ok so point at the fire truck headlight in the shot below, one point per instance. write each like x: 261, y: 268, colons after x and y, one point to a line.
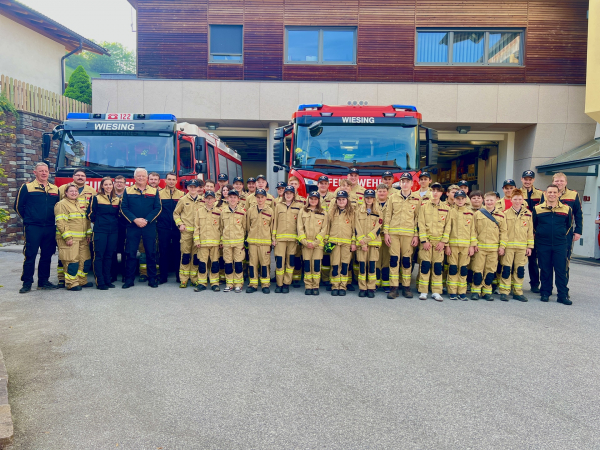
x: 310, y: 182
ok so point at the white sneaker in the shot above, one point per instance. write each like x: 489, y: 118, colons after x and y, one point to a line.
x: 227, y: 289
x: 423, y: 296
x: 238, y: 290
x: 437, y: 298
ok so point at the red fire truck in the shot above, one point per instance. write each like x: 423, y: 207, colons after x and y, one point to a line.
x: 327, y: 140
x: 116, y: 144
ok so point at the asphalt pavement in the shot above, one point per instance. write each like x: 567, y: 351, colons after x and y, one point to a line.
x: 169, y: 368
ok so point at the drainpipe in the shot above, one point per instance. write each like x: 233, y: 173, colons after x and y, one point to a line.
x: 62, y: 63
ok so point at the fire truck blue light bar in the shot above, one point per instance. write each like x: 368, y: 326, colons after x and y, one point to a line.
x: 406, y: 107
x: 312, y: 105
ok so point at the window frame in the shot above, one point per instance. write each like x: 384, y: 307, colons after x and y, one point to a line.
x: 320, y: 61
x: 210, y: 54
x: 487, y: 31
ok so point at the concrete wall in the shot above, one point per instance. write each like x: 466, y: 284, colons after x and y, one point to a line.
x: 30, y: 57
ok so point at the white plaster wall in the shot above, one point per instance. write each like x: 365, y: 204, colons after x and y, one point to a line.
x: 30, y: 57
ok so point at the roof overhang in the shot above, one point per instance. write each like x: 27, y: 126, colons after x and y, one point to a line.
x: 585, y: 155
x: 47, y: 27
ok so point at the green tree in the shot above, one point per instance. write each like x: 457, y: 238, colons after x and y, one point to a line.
x: 80, y: 87
x: 121, y: 60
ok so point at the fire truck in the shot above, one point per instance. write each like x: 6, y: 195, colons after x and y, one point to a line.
x: 328, y: 140
x: 116, y: 144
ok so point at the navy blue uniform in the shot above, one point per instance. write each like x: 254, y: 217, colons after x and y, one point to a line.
x: 533, y: 198
x: 35, y: 205
x: 168, y: 233
x: 552, y: 227
x: 143, y: 205
x: 103, y: 212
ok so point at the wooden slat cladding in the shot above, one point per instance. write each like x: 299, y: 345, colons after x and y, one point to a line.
x: 173, y: 38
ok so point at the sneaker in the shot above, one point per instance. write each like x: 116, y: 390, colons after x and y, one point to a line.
x: 315, y: 292
x: 75, y: 288
x: 521, y: 298
x: 370, y: 293
x: 47, y: 286
x: 143, y: 278
x: 406, y: 292
x: 387, y: 290
x: 250, y: 289
x: 488, y: 297
x: 227, y: 288
x: 183, y: 285
x: 216, y: 288
x: 350, y: 287
x: 341, y: 292
x: 444, y: 291
x: 453, y: 297
x: 200, y: 288
x: 423, y: 296
x: 25, y: 289
x: 278, y: 289
x: 535, y: 289
x: 308, y: 292
x: 544, y: 298
x: 565, y: 301
x: 266, y: 290
x: 285, y: 289
x: 496, y: 291
x: 463, y: 297
x: 503, y: 297
x: 437, y: 297
x: 362, y: 293
x: 334, y: 292
x: 238, y: 290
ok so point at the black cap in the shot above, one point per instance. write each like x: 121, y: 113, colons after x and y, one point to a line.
x: 314, y: 194
x: 528, y: 173
x: 369, y: 193
x: 460, y: 194
x: 353, y: 170
x: 386, y: 174
x: 223, y: 177
x: 462, y: 183
x: 290, y: 189
x: 437, y: 185
x: 236, y: 179
x: 233, y: 192
x: 260, y: 192
x: 261, y: 176
x: 323, y: 178
x: 509, y: 182
x: 281, y: 184
x: 406, y: 176
x: 342, y: 194
x: 193, y: 183
x: 425, y: 174
x: 497, y: 193
x: 209, y: 194
x: 251, y: 180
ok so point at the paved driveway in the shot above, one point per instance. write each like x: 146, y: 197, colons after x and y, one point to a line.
x: 173, y: 369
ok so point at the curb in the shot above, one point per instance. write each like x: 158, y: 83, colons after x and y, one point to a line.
x: 6, y: 423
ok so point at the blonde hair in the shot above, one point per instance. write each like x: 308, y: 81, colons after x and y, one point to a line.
x: 558, y: 175
x: 453, y: 187
x: 293, y: 178
x: 345, y: 182
x: 490, y: 194
x: 333, y: 210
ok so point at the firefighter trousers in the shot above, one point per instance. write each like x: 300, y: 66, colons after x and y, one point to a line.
x: 188, y: 266
x: 312, y: 266
x: 513, y: 263
x: 553, y: 262
x: 458, y: 263
x: 432, y: 266
x: 297, y: 274
x: 533, y: 269
x: 169, y: 253
x: 285, y: 261
x: 326, y: 267
x: 485, y: 264
x: 44, y: 240
x: 341, y: 258
x: 143, y: 263
x: 208, y: 260
x: 77, y: 262
x: 367, y: 267
x: 148, y: 237
x: 401, y: 253
x: 383, y: 266
x: 234, y: 268
x: 259, y: 265
x: 104, y: 245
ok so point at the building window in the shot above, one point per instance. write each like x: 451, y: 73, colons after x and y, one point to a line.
x: 226, y: 43
x: 317, y: 45
x: 469, y: 47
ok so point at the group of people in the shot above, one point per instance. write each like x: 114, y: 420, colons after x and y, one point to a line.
x: 220, y: 232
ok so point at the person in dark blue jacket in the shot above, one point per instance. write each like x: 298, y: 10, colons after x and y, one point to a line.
x: 103, y: 212
x: 141, y: 207
x: 168, y: 232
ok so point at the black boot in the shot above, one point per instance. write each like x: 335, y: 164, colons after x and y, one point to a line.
x: 285, y: 289
x: 371, y: 293
x: 393, y: 293
x: 406, y: 292
x: 315, y: 292
x: 278, y: 289
x: 362, y: 293
x: 308, y: 292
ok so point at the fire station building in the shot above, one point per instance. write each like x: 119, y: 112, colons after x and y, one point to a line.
x: 503, y: 81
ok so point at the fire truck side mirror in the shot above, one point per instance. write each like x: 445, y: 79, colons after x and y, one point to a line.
x: 431, y: 158
x: 200, y: 168
x: 278, y: 134
x: 46, y: 143
x: 278, y: 149
x: 200, y: 148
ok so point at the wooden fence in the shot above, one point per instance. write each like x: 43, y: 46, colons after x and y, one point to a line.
x: 40, y: 101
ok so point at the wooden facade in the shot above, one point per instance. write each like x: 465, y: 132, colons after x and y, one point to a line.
x: 173, y: 39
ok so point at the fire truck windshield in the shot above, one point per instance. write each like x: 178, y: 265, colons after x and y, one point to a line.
x: 369, y: 146
x: 111, y: 151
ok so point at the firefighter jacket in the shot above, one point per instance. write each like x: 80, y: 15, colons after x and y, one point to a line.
x: 35, y: 203
x: 422, y: 198
x: 571, y: 198
x: 533, y: 197
x: 233, y: 226
x: 86, y: 193
x: 103, y: 212
x: 259, y: 225
x: 207, y: 226
x: 251, y: 200
x: 490, y: 235
x: 185, y: 211
x: 401, y: 215
x: 169, y: 200
x: 368, y: 226
x: 356, y: 193
x: 71, y: 221
x: 519, y: 228
x: 503, y: 204
x: 140, y: 204
x: 462, y: 224
x: 285, y: 226
x: 434, y: 222
x: 326, y: 200
x: 312, y: 227
x: 552, y: 226
x: 341, y: 227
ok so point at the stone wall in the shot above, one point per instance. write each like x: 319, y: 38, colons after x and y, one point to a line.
x: 21, y: 152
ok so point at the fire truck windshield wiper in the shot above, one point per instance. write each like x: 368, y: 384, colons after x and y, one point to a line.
x: 324, y: 165
x: 378, y: 166
x: 85, y: 169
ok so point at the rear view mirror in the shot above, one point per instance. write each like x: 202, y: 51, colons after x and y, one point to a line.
x: 46, y: 143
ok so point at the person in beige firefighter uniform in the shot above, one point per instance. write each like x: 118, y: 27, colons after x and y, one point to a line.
x: 260, y: 218
x: 84, y: 198
x: 185, y: 216
x: 383, y: 264
x: 434, y: 234
x: 238, y: 185
x: 73, y: 234
x: 463, y: 185
x: 207, y: 239
x: 368, y: 242
x: 233, y: 226
x: 424, y: 192
x: 280, y: 187
x: 400, y: 228
x: 326, y: 197
x: 297, y: 275
x: 490, y: 233
x: 261, y: 183
x: 519, y: 244
x: 285, y: 238
x: 312, y: 230
x: 356, y: 191
x: 460, y: 248
x: 341, y: 233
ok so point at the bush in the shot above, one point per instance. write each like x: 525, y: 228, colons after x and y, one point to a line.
x: 80, y: 87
